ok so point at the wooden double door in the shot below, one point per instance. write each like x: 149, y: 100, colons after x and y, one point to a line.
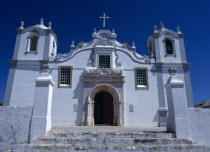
x: 103, y: 108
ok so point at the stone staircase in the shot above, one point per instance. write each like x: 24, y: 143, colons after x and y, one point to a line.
x: 116, y: 139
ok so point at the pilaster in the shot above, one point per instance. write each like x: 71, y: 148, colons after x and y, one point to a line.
x: 41, y: 117
x: 90, y: 112
x: 178, y: 120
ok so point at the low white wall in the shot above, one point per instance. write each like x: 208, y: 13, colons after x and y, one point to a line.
x: 14, y: 126
x: 200, y: 125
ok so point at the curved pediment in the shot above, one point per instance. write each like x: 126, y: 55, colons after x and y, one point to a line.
x: 104, y: 39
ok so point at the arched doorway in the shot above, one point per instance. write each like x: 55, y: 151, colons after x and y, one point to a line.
x: 118, y: 107
x: 103, y: 108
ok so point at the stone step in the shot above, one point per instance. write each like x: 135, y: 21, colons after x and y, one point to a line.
x: 108, y: 129
x: 142, y: 135
x: 104, y: 148
x: 107, y: 141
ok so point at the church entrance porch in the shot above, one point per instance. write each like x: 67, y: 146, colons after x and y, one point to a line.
x: 103, y: 97
x: 103, y: 108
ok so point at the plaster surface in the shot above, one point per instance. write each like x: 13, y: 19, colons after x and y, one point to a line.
x: 199, y: 125
x: 14, y: 126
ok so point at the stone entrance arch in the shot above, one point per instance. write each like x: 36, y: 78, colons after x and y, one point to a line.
x: 118, y: 108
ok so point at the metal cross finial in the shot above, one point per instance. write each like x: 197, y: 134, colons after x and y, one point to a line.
x: 104, y: 17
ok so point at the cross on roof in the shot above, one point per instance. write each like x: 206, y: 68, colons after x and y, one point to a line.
x: 104, y: 17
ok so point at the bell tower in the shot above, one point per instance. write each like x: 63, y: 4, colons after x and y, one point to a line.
x: 37, y: 42
x: 167, y: 48
x: 166, y: 45
x: 35, y: 46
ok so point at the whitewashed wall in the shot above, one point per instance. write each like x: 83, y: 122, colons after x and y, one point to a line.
x: 65, y: 100
x: 14, y: 126
x: 21, y: 86
x: 199, y: 125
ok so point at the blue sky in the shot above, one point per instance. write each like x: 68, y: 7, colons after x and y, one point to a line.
x: 133, y: 20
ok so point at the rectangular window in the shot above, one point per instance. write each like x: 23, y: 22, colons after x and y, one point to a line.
x: 141, y: 78
x: 104, y: 61
x: 65, y: 76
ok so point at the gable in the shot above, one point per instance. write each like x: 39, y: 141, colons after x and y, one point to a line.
x: 103, y: 41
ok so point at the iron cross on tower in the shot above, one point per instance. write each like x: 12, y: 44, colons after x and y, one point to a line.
x: 104, y: 19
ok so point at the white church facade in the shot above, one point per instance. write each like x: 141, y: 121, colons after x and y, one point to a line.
x: 101, y: 82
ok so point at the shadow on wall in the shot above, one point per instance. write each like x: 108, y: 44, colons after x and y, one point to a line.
x: 78, y: 94
x: 170, y: 119
x: 156, y: 117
